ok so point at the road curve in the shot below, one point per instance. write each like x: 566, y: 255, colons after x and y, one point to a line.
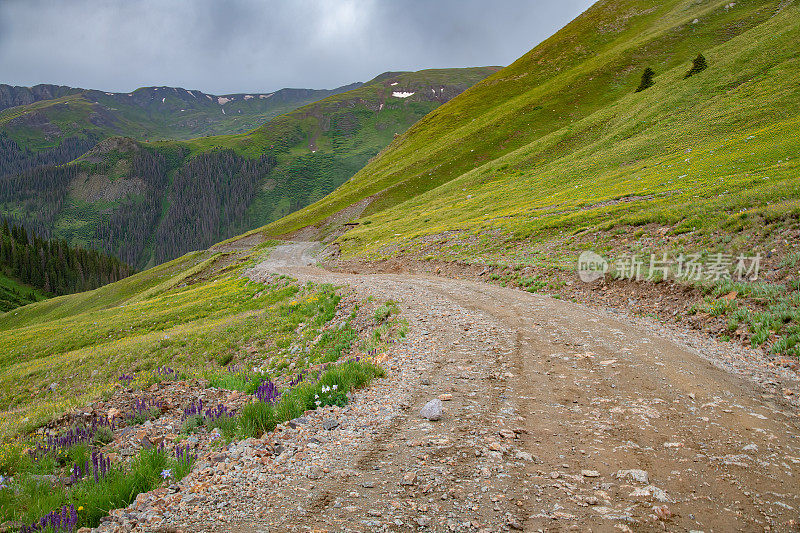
x: 558, y: 411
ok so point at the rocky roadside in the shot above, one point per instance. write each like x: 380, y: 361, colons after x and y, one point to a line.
x: 169, y: 398
x: 155, y: 417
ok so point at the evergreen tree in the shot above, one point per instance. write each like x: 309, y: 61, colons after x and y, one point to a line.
x: 647, y: 80
x: 698, y: 65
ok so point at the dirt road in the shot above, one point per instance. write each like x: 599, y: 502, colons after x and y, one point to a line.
x: 561, y: 418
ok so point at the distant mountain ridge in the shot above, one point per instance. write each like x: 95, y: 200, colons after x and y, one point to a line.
x: 41, y: 117
x: 14, y: 95
x: 17, y: 95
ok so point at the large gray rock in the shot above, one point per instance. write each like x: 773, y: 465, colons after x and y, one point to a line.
x: 433, y: 410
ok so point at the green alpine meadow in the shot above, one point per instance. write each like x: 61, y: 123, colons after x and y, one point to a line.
x: 563, y: 293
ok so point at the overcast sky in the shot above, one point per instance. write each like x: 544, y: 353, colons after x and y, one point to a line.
x: 226, y: 46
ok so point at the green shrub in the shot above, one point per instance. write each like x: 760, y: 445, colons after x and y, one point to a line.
x: 30, y: 497
x: 103, y: 435
x: 224, y: 359
x: 760, y: 336
x: 720, y: 307
x: 246, y: 382
x: 331, y: 389
x: 790, y: 260
x: 386, y: 310
x: 192, y: 423
x: 334, y: 343
x: 256, y: 419
x: 532, y: 285
x: 143, y: 416
x: 78, y: 454
x: 228, y: 425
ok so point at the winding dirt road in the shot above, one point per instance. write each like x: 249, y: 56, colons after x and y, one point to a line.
x: 561, y: 418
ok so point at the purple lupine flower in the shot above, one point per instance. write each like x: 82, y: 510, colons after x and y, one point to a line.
x: 184, y: 454
x: 267, y: 392
x: 95, y: 466
x: 218, y: 412
x: 76, y: 474
x: 141, y: 405
x: 166, y: 372
x: 98, y: 421
x: 194, y: 408
x: 64, y: 519
x: 57, y: 446
x: 297, y: 379
x: 103, y: 465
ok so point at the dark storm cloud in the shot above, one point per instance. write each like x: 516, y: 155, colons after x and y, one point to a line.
x: 246, y: 45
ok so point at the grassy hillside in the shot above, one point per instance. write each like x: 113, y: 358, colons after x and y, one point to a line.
x: 102, y: 332
x: 196, y: 315
x: 151, y: 202
x: 557, y: 153
x: 550, y: 156
x: 192, y: 346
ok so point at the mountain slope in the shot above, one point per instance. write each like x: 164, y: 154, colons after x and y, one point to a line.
x: 151, y: 202
x: 14, y: 95
x: 533, y: 147
x: 510, y: 172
